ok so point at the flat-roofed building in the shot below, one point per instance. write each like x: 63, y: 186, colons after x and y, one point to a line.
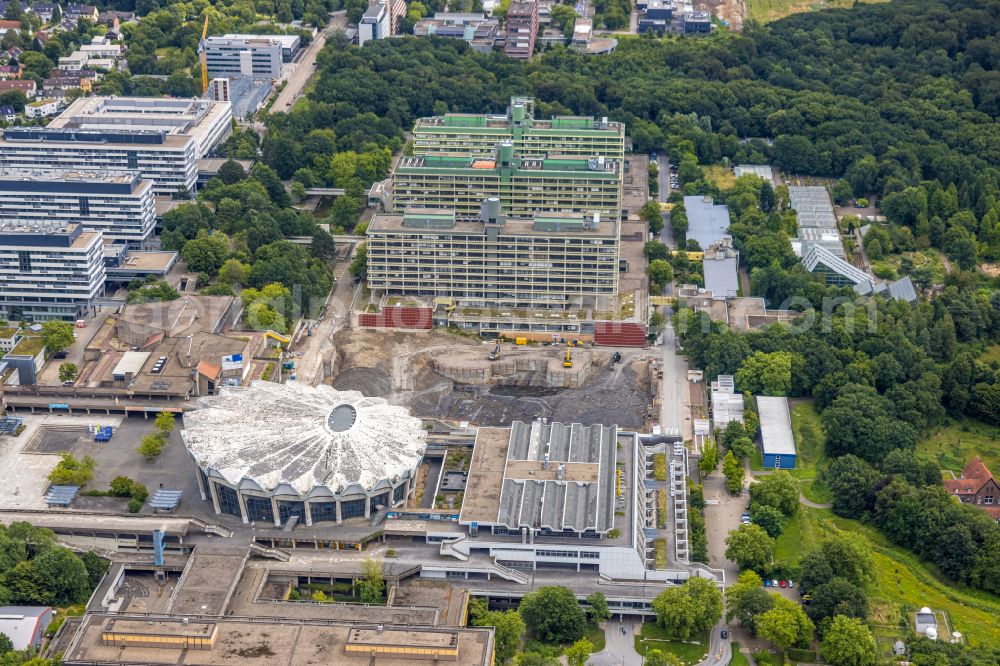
x: 118, y: 638
x: 257, y: 58
x: 776, y: 439
x: 118, y: 204
x: 290, y: 44
x: 162, y: 139
x: 708, y: 222
x: 49, y: 271
x: 550, y: 260
x: 522, y: 29
x: 479, y: 134
x: 526, y: 187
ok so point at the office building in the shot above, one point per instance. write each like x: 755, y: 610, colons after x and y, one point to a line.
x: 522, y: 29
x: 548, y: 261
x: 380, y: 20
x: 290, y: 44
x: 526, y: 187
x: 479, y: 134
x: 49, y: 271
x: 257, y: 58
x: 162, y: 139
x: 118, y: 204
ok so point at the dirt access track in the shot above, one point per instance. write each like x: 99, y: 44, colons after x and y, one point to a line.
x: 400, y: 368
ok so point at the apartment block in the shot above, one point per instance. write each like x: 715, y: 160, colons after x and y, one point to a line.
x: 49, y: 271
x: 549, y: 260
x: 522, y: 29
x: 162, y: 139
x: 526, y: 187
x: 479, y: 134
x: 118, y: 204
x: 258, y: 58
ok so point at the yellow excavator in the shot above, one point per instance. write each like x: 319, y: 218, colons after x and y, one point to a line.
x: 568, y: 360
x: 204, y: 57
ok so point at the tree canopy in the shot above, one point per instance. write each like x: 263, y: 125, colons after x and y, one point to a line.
x: 553, y: 614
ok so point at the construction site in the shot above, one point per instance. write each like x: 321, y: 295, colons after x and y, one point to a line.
x: 443, y: 375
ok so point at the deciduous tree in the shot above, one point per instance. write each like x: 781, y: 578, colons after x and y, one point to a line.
x: 849, y: 642
x: 688, y: 609
x: 553, y: 614
x: 750, y: 547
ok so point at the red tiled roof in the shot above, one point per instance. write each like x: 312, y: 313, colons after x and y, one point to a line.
x: 961, y: 486
x: 975, y: 475
x: 976, y: 469
x: 10, y: 25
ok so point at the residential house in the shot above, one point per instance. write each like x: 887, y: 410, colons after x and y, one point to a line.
x: 66, y: 83
x: 8, y: 72
x: 14, y: 52
x: 109, y: 17
x: 42, y: 108
x: 76, y: 11
x: 978, y: 487
x: 43, y: 10
x: 9, y: 26
x: 8, y: 114
x: 28, y: 87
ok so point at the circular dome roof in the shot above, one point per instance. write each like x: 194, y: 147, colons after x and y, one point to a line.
x: 303, y: 436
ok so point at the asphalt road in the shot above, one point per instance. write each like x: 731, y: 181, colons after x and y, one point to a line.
x: 674, y: 413
x: 719, y: 651
x: 319, y: 346
x: 619, y: 648
x: 666, y: 235
x: 307, y: 64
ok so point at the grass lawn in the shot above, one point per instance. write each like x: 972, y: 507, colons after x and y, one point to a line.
x: 738, y: 658
x: 771, y: 10
x: 722, y: 176
x: 924, y: 259
x: 596, y: 636
x: 809, y: 443
x: 954, y: 445
x: 800, y: 536
x: 902, y: 583
x: 653, y: 637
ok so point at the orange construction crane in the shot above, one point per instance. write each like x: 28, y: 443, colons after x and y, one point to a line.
x: 204, y: 60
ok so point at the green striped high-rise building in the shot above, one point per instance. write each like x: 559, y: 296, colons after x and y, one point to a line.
x: 479, y: 134
x: 525, y: 186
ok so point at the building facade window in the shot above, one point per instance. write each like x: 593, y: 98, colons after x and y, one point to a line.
x: 259, y: 508
x: 288, y: 509
x: 323, y: 512
x: 228, y: 501
x: 352, y: 509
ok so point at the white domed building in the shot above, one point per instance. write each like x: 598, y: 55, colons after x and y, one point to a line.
x: 268, y: 452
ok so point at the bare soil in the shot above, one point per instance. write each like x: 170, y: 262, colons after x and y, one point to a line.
x: 397, y: 366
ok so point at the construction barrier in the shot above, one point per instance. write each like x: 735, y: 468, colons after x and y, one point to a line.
x: 398, y: 317
x: 619, y: 334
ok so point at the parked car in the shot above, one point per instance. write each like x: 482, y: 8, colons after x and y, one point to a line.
x: 783, y: 583
x: 725, y: 635
x: 745, y: 518
x: 791, y: 584
x: 767, y: 582
x: 774, y: 583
